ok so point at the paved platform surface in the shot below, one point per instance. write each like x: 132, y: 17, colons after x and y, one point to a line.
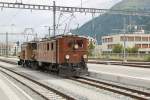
x: 143, y: 73
x: 123, y: 74
x: 10, y: 91
x: 15, y: 59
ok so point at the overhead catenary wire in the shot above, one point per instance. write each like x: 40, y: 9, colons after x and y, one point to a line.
x: 57, y: 26
x: 69, y: 22
x: 65, y: 21
x: 72, y: 9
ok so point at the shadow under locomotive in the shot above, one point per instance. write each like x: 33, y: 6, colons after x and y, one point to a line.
x: 64, y: 54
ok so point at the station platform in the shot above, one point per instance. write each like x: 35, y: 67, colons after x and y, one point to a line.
x: 13, y: 59
x: 10, y: 91
x: 122, y: 74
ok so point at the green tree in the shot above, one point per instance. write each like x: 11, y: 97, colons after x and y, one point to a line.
x: 132, y: 50
x: 91, y: 47
x: 129, y: 50
x: 117, y: 48
x: 147, y: 58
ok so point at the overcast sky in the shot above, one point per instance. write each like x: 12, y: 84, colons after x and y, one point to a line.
x: 15, y: 20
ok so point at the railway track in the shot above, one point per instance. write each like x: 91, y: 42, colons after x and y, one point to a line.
x: 131, y: 64
x: 135, y: 94
x: 45, y: 91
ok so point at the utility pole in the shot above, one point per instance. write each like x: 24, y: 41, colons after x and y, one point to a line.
x: 81, y: 3
x: 93, y: 24
x: 54, y: 18
x: 124, y: 46
x: 49, y: 31
x: 6, y: 44
x: 18, y: 1
x: 77, y: 28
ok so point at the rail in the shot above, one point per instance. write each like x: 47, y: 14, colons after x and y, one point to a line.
x: 46, y: 89
x: 136, y: 94
x: 133, y: 93
x: 131, y: 64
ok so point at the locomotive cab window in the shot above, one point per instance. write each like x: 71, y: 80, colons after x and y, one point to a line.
x: 70, y: 43
x: 80, y: 43
x: 47, y: 46
x: 52, y: 46
x: 34, y: 46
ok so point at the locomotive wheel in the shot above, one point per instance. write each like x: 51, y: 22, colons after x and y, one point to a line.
x: 34, y: 65
x: 19, y: 63
x: 60, y: 71
x: 24, y: 65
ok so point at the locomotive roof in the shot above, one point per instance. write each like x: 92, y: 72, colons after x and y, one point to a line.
x: 54, y: 38
x: 30, y: 42
x: 62, y: 36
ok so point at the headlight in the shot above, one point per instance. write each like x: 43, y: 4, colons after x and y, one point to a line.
x: 76, y: 46
x: 84, y: 56
x: 67, y: 56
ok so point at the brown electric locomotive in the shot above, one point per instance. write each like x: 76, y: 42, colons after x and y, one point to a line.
x: 64, y: 54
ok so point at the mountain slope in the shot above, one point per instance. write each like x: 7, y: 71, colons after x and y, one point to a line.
x: 132, y: 5
x: 107, y: 23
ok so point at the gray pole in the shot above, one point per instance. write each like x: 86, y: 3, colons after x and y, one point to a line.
x: 6, y: 44
x: 54, y: 17
x: 124, y: 46
x: 81, y: 3
x: 49, y: 31
x: 93, y: 24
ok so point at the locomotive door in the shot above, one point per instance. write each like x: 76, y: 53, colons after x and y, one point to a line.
x: 57, y: 52
x: 23, y: 54
x: 53, y: 51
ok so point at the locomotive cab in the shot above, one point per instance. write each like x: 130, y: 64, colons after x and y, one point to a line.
x: 27, y: 54
x: 74, y: 56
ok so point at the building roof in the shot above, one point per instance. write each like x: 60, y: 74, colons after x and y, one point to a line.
x: 127, y: 34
